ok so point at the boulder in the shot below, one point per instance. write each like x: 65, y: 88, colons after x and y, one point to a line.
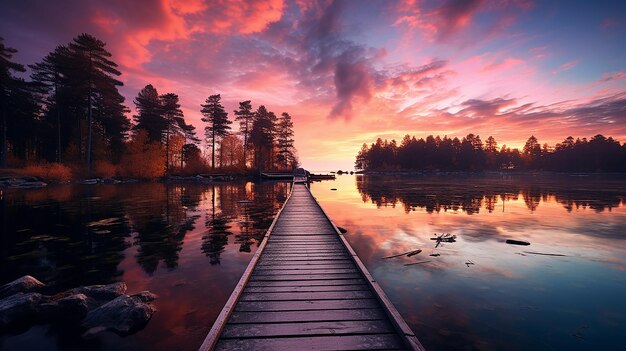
x: 24, y: 284
x: 124, y: 315
x: 72, y: 307
x: 19, y: 308
x: 101, y: 292
x: 144, y: 296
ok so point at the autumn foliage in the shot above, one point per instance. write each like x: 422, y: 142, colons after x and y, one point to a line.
x: 52, y: 172
x: 105, y: 169
x: 143, y: 159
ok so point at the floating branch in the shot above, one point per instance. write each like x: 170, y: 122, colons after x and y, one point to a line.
x: 517, y: 242
x: 544, y: 254
x: 409, y: 254
x: 444, y: 238
x: 414, y: 263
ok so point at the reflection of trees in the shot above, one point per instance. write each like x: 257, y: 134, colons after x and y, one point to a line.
x: 66, y: 242
x: 248, y: 205
x: 218, y: 226
x: 159, y: 216
x: 476, y: 192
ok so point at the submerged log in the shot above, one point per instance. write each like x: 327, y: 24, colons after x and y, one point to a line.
x: 517, y: 242
x: 408, y: 254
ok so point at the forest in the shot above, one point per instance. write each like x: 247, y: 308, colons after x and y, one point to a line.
x: 598, y: 154
x: 64, y: 118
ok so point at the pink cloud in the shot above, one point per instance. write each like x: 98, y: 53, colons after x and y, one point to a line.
x: 565, y: 67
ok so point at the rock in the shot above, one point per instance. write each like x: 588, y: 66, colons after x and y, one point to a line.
x: 123, y: 316
x: 19, y: 308
x: 101, y: 292
x: 144, y: 296
x: 73, y: 307
x: 24, y: 284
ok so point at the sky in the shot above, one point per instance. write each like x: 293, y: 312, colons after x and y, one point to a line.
x: 349, y: 72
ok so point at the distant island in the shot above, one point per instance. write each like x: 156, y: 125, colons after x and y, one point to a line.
x: 69, y: 121
x: 598, y: 154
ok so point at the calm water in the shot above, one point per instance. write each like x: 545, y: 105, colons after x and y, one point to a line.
x: 190, y: 244
x: 509, y: 298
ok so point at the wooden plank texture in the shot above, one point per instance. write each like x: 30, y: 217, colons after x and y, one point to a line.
x: 307, y: 290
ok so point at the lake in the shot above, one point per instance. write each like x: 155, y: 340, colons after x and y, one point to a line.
x: 190, y: 244
x: 481, y: 293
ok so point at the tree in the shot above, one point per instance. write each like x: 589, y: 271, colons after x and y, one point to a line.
x: 531, y: 150
x: 8, y: 85
x: 217, y: 118
x: 245, y: 117
x: 231, y: 150
x: 92, y: 64
x: 48, y: 78
x: 173, y: 118
x: 491, y: 145
x: 143, y: 158
x: 362, y: 158
x: 262, y: 137
x: 284, y: 139
x: 150, y: 114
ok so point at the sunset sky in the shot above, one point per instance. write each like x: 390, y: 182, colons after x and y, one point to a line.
x: 351, y: 71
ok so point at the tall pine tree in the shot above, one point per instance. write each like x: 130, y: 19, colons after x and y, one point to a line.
x: 284, y: 139
x: 94, y: 75
x: 48, y: 77
x: 218, y: 123
x: 173, y: 116
x: 8, y: 86
x: 262, y: 137
x: 149, y: 115
x: 245, y: 117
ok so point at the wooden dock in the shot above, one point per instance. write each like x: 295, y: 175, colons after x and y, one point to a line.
x: 306, y: 289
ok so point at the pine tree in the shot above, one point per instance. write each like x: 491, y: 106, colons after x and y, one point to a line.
x: 173, y: 115
x: 150, y: 114
x: 8, y: 85
x: 95, y: 75
x: 284, y: 139
x: 262, y: 137
x: 48, y: 78
x: 217, y: 118
x: 245, y: 117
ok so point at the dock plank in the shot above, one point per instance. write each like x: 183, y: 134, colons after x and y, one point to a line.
x: 309, y: 316
x: 306, y: 328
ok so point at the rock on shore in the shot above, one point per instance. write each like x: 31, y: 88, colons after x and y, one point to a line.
x: 95, y: 308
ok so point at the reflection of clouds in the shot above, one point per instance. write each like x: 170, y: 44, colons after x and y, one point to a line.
x: 500, y: 301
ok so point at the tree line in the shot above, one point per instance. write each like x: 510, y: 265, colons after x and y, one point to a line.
x: 71, y: 113
x: 598, y: 154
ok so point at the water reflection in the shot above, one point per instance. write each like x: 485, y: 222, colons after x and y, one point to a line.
x: 510, y: 298
x: 471, y: 194
x: 185, y: 242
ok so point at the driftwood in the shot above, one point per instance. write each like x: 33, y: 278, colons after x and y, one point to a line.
x: 408, y: 254
x: 517, y: 242
x: 435, y: 255
x: 544, y: 254
x: 414, y: 263
x: 444, y: 238
x: 469, y: 263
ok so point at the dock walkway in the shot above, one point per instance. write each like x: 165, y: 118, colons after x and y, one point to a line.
x: 306, y: 289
